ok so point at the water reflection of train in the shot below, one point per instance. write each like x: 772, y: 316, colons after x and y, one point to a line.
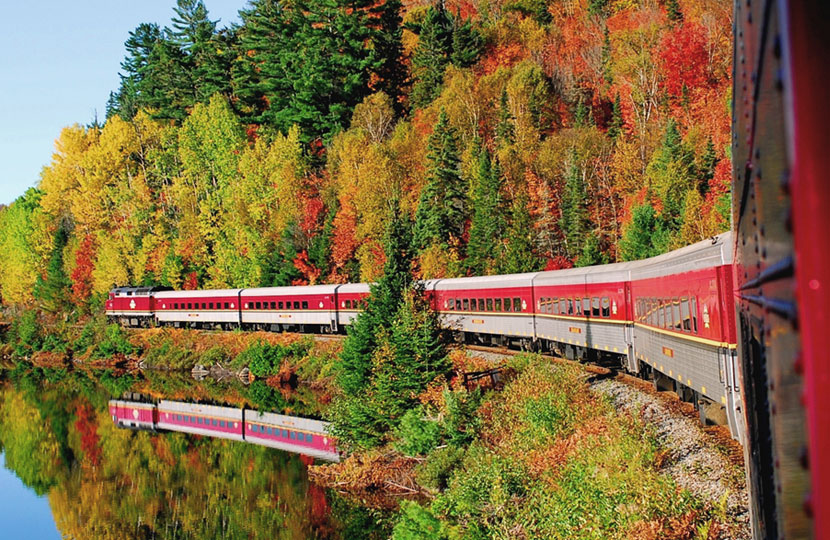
x: 290, y: 433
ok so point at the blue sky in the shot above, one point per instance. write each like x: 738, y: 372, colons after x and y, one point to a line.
x: 59, y: 60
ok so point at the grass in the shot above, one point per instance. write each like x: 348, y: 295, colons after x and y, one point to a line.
x: 554, y: 460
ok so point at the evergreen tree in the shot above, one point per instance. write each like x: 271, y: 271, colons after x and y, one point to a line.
x: 591, y: 253
x: 280, y: 270
x: 307, y: 63
x: 52, y: 291
x: 597, y: 7
x: 355, y: 363
x: 616, y: 124
x: 673, y: 11
x: 431, y: 56
x: 505, y: 133
x: 441, y: 212
x: 391, y: 72
x: 646, y: 235
x: 466, y: 44
x: 706, y: 167
x: 574, y: 222
x: 673, y: 173
x: 581, y: 114
x: 538, y: 9
x: 129, y: 98
x: 606, y: 57
x: 519, y: 256
x: 487, y: 224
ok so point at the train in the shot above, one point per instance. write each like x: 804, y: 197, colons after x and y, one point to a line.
x: 669, y: 318
x: 780, y: 197
x: 304, y: 436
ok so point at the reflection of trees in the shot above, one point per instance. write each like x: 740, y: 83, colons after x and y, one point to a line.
x: 113, y: 483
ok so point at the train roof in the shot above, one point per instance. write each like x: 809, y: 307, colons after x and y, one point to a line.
x: 138, y: 291
x: 199, y: 293
x: 353, y: 288
x: 482, y: 282
x: 234, y: 413
x: 293, y: 290
x: 710, y: 253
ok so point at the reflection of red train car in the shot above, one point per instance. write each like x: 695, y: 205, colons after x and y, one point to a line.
x: 781, y: 198
x: 290, y: 433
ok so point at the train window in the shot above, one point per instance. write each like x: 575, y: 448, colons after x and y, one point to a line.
x: 661, y: 316
x: 570, y: 306
x: 667, y: 309
x: 507, y: 305
x: 555, y: 306
x: 199, y: 420
x: 284, y: 432
x: 498, y: 304
x: 451, y: 304
x: 563, y: 306
x: 675, y: 303
x: 309, y: 437
x: 270, y: 431
x: 175, y: 306
x: 280, y: 305
x: 213, y: 422
x: 254, y: 427
x: 204, y: 305
x: 189, y: 305
x: 606, y: 307
x: 258, y: 305
x: 517, y: 304
x: 296, y: 305
x: 685, y: 314
x: 465, y: 303
x: 210, y: 305
x: 292, y: 435
x: 481, y: 305
x: 179, y: 417
x: 273, y: 305
x: 305, y: 304
x: 221, y: 423
x: 489, y: 304
x: 694, y: 314
x: 349, y: 304
x: 586, y: 307
x: 226, y: 305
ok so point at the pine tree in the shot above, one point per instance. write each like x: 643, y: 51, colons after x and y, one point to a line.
x: 582, y: 115
x: 706, y: 167
x: 355, y: 363
x: 441, y: 211
x: 607, y: 73
x: 466, y: 44
x: 574, y: 221
x: 673, y: 11
x: 591, y: 253
x: 616, y: 124
x: 130, y: 96
x: 431, y: 56
x: 391, y: 72
x: 52, y: 291
x: 646, y: 235
x: 487, y: 224
x: 672, y: 171
x: 519, y: 256
x: 505, y: 132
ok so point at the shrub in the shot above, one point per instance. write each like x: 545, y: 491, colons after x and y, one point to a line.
x: 436, y: 471
x: 26, y: 333
x: 114, y: 342
x: 214, y: 355
x: 416, y: 434
x: 417, y: 523
x: 461, y: 422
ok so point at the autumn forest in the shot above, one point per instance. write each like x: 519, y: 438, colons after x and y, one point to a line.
x: 516, y: 135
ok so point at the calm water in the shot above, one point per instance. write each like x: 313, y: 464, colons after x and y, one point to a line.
x: 71, y: 472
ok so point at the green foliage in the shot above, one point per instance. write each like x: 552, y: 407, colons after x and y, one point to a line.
x: 53, y: 292
x: 116, y: 385
x: 264, y: 359
x: 416, y: 522
x: 519, y: 256
x: 461, y: 423
x: 115, y: 342
x: 25, y: 333
x: 591, y: 252
x: 616, y: 124
x: 435, y: 472
x: 538, y: 9
x: 432, y: 55
x: 416, y: 434
x: 487, y: 223
x: 646, y: 235
x: 265, y: 397
x: 574, y: 221
x: 441, y: 208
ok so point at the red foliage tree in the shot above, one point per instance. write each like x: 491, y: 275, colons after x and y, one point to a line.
x: 82, y: 273
x: 683, y: 58
x: 191, y: 282
x: 87, y: 427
